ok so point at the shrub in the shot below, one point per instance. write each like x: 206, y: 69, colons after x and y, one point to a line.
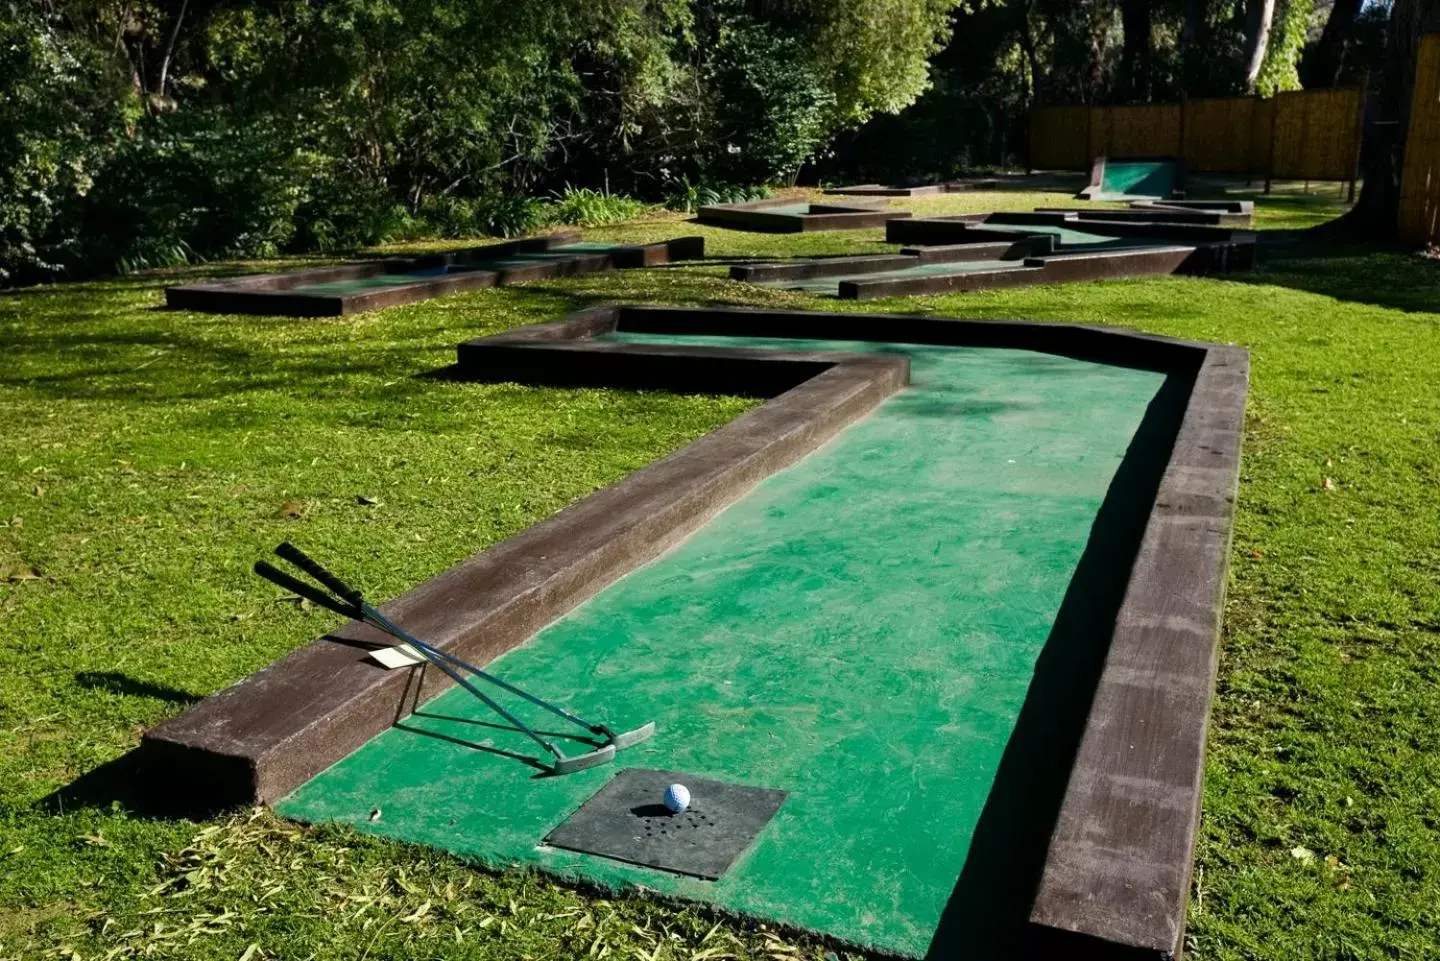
x: 772, y: 111
x: 61, y: 114
x: 581, y: 206
x: 192, y: 186
x: 510, y: 216
x: 689, y: 197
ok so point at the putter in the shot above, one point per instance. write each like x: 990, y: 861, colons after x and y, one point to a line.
x: 349, y: 602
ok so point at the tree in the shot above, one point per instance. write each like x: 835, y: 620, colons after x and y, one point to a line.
x: 1135, y: 19
x: 1325, y: 62
x: 1259, y: 15
x: 1377, y: 211
x: 1190, y: 34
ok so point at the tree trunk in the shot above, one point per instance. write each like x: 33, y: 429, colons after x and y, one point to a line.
x: 1099, y: 31
x: 170, y: 52
x: 1260, y: 16
x: 1135, y: 18
x: 1194, y: 24
x: 1325, y: 63
x: 1032, y: 57
x: 1377, y: 211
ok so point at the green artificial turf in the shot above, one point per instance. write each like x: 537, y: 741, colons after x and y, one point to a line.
x: 907, y: 577
x: 148, y: 457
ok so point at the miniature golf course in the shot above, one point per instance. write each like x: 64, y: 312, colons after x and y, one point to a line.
x: 946, y: 603
x: 559, y: 254
x: 860, y: 631
x: 371, y: 285
x: 783, y: 216
x: 1008, y: 250
x: 1073, y: 240
x: 864, y: 631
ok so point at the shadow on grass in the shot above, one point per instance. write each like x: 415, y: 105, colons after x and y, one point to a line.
x: 986, y: 915
x: 138, y: 783
x: 160, y: 359
x: 117, y: 683
x: 1323, y: 262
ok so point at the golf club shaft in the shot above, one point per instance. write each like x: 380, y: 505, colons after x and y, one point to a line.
x: 489, y: 702
x: 379, y: 620
x: 439, y: 658
x: 318, y: 571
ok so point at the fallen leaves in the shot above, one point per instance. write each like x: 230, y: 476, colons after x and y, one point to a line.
x: 236, y: 872
x: 1337, y: 869
x: 292, y: 509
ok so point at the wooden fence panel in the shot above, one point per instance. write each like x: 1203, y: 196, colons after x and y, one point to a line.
x: 1420, y: 181
x: 1336, y: 127
x: 1304, y: 135
x: 1262, y: 136
x: 1316, y: 134
x: 1143, y: 130
x: 1291, y: 128
x: 1059, y: 138
x: 1218, y: 135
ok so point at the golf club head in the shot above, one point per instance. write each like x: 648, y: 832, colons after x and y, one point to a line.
x: 597, y: 757
x: 631, y: 738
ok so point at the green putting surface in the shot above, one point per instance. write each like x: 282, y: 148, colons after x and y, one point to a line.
x: 1069, y: 237
x: 831, y: 285
x: 797, y: 210
x: 386, y: 280
x: 1137, y: 179
x: 861, y: 631
x: 1071, y: 241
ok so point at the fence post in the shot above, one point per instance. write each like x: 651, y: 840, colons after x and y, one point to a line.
x: 1250, y: 164
x: 1184, y: 105
x: 1030, y: 144
x: 1274, y: 123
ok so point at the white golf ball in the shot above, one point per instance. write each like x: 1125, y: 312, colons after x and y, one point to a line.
x: 677, y: 797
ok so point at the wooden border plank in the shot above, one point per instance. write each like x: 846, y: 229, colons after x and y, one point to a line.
x: 758, y: 216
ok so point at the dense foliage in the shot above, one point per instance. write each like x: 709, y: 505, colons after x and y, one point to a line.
x: 138, y: 133
x: 154, y: 131
x: 1005, y: 55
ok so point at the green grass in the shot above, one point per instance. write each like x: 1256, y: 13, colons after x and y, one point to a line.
x: 148, y: 457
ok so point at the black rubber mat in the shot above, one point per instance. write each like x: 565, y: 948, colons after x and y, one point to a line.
x: 626, y: 820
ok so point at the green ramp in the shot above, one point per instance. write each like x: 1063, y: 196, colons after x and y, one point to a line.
x: 1138, y: 180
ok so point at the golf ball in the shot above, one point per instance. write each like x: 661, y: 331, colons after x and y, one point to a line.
x: 677, y: 797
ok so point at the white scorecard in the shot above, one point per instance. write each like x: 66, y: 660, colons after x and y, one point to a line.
x: 401, y: 655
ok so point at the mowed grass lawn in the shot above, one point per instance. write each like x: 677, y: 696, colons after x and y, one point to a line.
x: 148, y: 457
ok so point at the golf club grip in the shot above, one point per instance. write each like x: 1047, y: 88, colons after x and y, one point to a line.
x: 280, y: 579
x: 312, y: 567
